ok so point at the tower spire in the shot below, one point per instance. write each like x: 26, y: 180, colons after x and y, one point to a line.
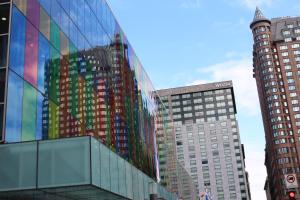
x: 259, y: 17
x: 258, y: 14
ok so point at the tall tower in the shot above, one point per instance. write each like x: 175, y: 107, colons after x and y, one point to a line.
x: 276, y: 68
x: 207, y: 138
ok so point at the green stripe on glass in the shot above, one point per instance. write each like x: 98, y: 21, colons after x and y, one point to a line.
x: 53, y: 120
x: 29, y: 113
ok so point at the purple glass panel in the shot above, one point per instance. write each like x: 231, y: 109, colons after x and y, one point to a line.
x: 31, y: 54
x: 33, y: 12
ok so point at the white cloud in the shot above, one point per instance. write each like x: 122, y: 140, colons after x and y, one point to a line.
x: 257, y: 172
x: 190, y: 3
x: 253, y: 3
x: 239, y: 70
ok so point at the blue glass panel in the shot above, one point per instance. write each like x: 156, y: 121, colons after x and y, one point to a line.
x: 43, y: 61
x: 81, y: 41
x: 39, y: 116
x: 65, y: 23
x: 93, y: 4
x: 56, y: 12
x: 17, y: 42
x: 98, y: 10
x: 65, y: 5
x: 73, y: 10
x: 73, y: 33
x: 87, y: 22
x: 94, y: 30
x: 80, y: 15
x: 46, y: 4
x: 14, y: 108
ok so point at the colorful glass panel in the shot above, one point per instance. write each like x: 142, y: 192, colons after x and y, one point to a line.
x: 14, y: 109
x: 17, y: 42
x: 31, y: 54
x: 29, y: 113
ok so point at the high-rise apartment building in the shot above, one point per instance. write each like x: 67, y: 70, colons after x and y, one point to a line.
x: 276, y: 62
x: 207, y: 138
x: 77, y: 110
x: 172, y: 174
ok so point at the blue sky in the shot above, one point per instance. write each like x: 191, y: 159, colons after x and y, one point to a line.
x: 184, y: 42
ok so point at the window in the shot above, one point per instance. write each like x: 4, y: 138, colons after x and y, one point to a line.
x: 186, y: 102
x: 208, y: 93
x: 198, y: 107
x: 283, y: 47
x: 4, y: 18
x: 295, y: 109
x: 288, y: 39
x: 294, y: 46
x: 186, y: 96
x: 284, y: 54
x: 189, y: 108
x: 176, y: 110
x: 210, y: 105
x: 286, y: 33
x: 2, y: 84
x: 175, y: 97
x: 188, y: 115
x: 209, y: 99
x: 177, y: 116
x: 1, y: 120
x: 3, y: 50
x: 210, y: 112
x: 198, y: 94
x: 221, y: 104
x: 220, y: 98
x: 175, y: 103
x: 197, y: 100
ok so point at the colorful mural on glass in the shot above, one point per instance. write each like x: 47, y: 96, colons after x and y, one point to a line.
x: 72, y: 72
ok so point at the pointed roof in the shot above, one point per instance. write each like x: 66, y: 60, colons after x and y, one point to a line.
x: 258, y: 17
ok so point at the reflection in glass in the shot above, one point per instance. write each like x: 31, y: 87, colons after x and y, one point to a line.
x: 29, y: 113
x: 3, y: 50
x: 17, y: 42
x: 33, y: 12
x: 43, y: 61
x: 31, y: 54
x: 21, y: 5
x: 14, y: 108
x: 83, y: 78
x: 44, y: 23
x: 39, y: 117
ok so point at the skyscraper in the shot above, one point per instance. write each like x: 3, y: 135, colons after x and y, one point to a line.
x: 207, y: 138
x: 172, y: 174
x: 276, y: 68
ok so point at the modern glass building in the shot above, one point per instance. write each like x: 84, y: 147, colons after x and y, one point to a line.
x: 67, y: 70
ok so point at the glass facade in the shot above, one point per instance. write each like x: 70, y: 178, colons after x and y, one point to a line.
x: 72, y: 72
x: 70, y: 168
x: 4, y: 29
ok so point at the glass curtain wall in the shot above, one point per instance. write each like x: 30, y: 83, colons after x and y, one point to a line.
x: 4, y: 29
x: 72, y: 72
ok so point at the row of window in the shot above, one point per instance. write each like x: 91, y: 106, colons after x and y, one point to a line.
x: 289, y: 32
